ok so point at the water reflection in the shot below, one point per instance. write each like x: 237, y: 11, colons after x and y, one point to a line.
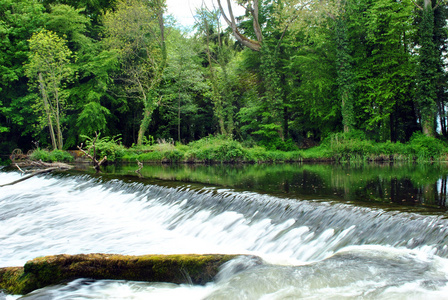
x: 422, y: 186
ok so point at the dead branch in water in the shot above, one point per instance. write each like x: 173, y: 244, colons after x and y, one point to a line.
x: 47, y: 167
x: 140, y: 166
x: 31, y: 175
x: 96, y: 163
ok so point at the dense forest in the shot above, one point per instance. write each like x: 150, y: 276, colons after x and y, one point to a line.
x: 287, y: 74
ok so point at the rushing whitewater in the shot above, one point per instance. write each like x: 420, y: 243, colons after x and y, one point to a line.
x: 311, y: 249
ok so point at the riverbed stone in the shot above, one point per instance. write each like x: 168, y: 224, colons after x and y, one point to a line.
x: 49, y: 270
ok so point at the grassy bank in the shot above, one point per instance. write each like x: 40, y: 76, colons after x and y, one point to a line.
x: 219, y: 149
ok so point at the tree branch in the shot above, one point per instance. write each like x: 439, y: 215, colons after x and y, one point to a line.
x: 31, y: 175
x: 415, y: 3
x: 96, y: 163
x: 251, y: 44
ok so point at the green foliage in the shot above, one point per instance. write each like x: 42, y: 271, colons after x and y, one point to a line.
x: 106, y: 146
x: 424, y: 147
x: 48, y: 70
x: 355, y: 146
x: 135, y: 29
x: 215, y: 149
x: 345, y: 74
x: 51, y: 156
x: 427, y: 72
x: 376, y: 66
x: 92, y: 119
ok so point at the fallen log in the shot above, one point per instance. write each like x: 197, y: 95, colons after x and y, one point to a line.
x: 31, y: 175
x: 37, y: 164
x: 49, y: 270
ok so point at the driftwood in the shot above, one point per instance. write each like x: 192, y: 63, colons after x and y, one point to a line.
x: 96, y: 163
x: 48, y: 167
x: 49, y: 270
x: 140, y: 167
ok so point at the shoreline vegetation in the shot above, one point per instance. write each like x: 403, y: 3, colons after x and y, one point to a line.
x: 219, y: 149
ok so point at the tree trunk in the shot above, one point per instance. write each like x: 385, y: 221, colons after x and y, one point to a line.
x: 217, y: 101
x: 147, y: 114
x: 178, y: 115
x: 344, y: 75
x: 427, y: 75
x: 47, y: 111
x: 58, y: 121
x: 251, y: 44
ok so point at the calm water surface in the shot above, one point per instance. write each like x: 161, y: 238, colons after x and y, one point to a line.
x: 323, y: 231
x: 421, y: 186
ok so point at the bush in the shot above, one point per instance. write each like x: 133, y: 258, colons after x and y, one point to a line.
x: 346, y: 146
x: 173, y: 155
x: 213, y: 149
x: 40, y: 154
x: 107, y: 146
x: 425, y: 147
x: 47, y: 156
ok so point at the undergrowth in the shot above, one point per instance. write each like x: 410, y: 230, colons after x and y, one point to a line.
x: 341, y: 147
x: 51, y: 156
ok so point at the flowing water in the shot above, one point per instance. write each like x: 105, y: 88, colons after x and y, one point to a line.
x: 318, y: 236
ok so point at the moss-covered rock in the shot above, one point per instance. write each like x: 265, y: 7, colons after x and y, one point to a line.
x: 48, y: 270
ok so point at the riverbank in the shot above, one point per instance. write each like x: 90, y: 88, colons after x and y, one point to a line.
x: 219, y: 149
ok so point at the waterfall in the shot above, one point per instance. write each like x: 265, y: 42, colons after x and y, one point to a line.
x: 309, y: 248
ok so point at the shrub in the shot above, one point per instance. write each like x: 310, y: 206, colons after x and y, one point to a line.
x: 47, y: 156
x: 213, y: 149
x: 40, y: 154
x: 425, y: 147
x: 173, y: 155
x: 59, y: 155
x: 107, y: 146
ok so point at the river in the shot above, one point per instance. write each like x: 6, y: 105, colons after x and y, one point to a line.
x: 322, y: 231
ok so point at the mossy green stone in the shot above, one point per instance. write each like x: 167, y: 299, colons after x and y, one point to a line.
x: 48, y: 270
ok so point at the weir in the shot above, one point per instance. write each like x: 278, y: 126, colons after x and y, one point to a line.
x: 309, y: 247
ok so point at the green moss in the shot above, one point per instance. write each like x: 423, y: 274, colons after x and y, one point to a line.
x: 44, y: 271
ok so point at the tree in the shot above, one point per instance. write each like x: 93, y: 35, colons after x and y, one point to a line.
x: 429, y: 70
x: 18, y: 20
x: 385, y: 68
x: 219, y: 51
x: 183, y: 82
x: 48, y: 69
x: 136, y: 30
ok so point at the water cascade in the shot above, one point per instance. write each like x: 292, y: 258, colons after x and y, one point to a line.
x: 310, y: 249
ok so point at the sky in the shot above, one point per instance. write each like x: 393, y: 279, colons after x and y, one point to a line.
x: 183, y: 10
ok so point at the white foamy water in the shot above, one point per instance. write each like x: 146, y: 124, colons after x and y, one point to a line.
x: 312, y: 250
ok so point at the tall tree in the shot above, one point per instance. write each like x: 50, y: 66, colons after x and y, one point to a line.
x: 136, y: 29
x: 385, y: 68
x: 183, y: 83
x: 48, y: 69
x: 219, y: 50
x: 19, y: 19
x: 429, y: 61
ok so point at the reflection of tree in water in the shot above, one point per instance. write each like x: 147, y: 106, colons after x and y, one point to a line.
x: 405, y: 185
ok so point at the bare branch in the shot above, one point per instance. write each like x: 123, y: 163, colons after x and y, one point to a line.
x: 31, y: 175
x: 140, y: 166
x: 251, y: 44
x: 23, y: 172
x: 437, y: 4
x: 95, y: 162
x: 415, y: 3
